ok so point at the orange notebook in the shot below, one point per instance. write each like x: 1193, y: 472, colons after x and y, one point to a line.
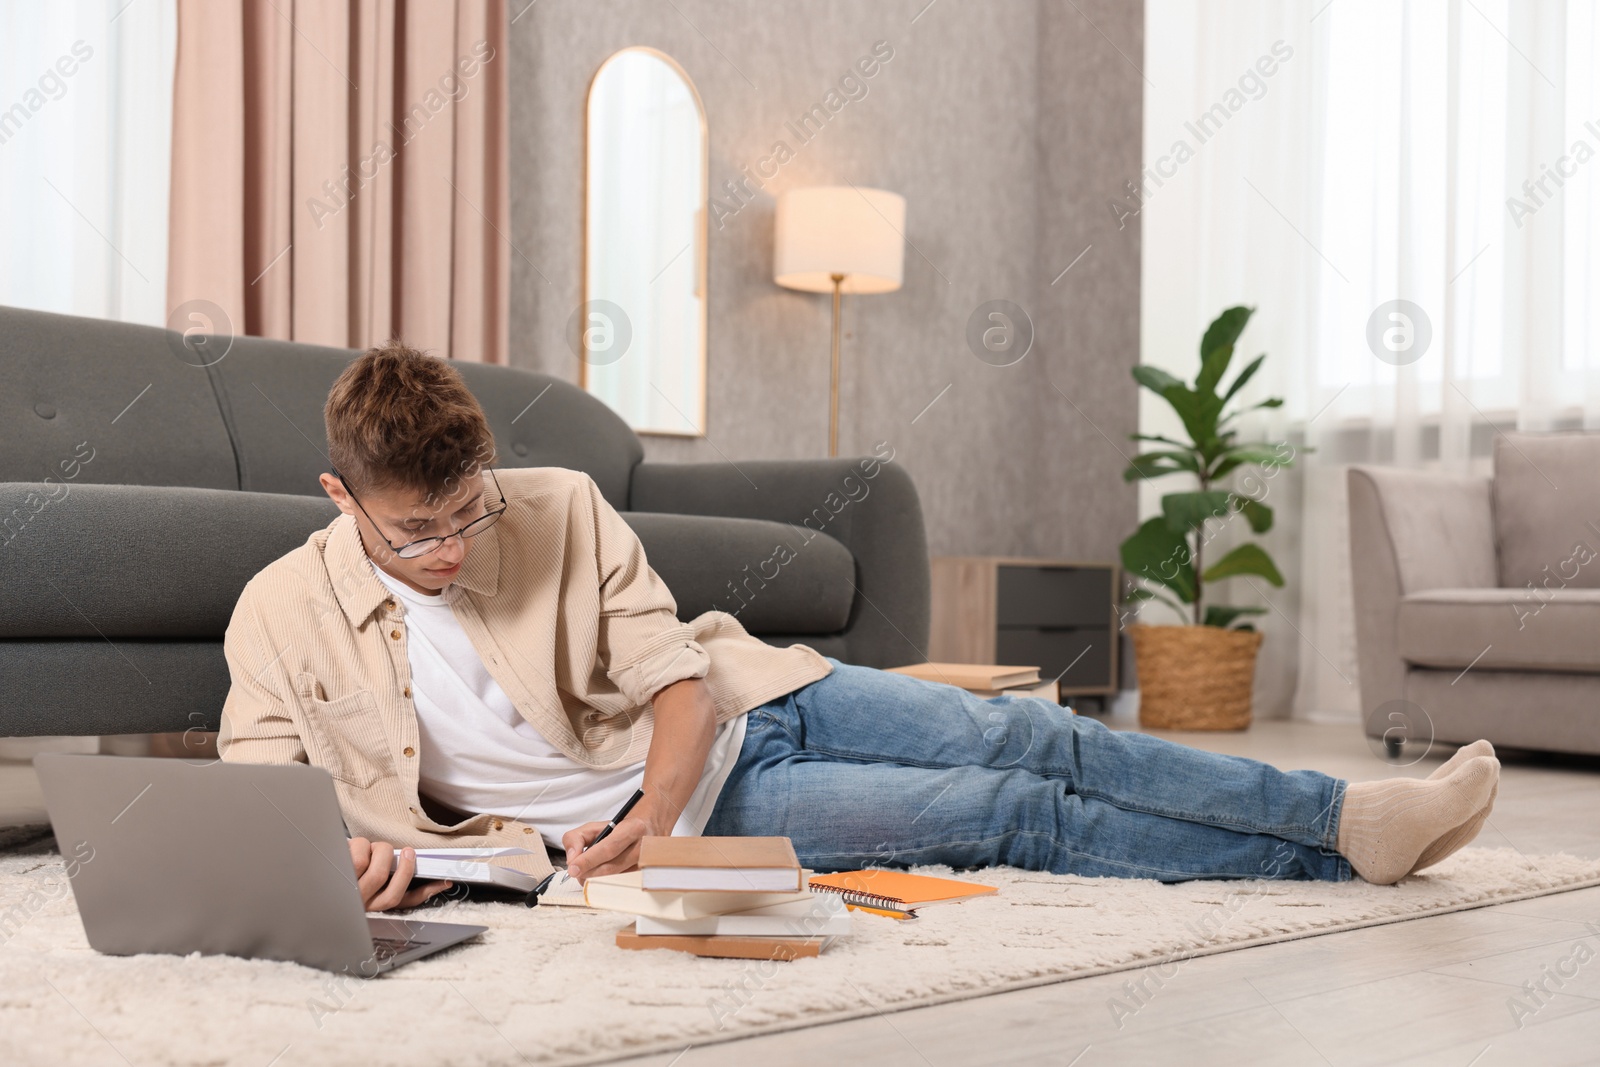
x: 896, y: 892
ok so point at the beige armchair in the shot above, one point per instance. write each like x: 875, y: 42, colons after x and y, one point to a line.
x: 1478, y: 599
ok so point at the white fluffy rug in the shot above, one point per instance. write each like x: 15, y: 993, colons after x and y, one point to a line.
x: 547, y: 985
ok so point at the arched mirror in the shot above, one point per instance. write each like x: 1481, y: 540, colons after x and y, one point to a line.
x: 642, y: 326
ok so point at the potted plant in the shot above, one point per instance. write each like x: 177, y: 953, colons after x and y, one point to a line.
x: 1199, y: 676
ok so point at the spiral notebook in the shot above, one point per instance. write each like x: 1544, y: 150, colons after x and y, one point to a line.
x: 895, y: 893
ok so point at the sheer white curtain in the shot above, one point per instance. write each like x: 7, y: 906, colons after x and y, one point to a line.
x: 1444, y: 153
x: 85, y: 153
x: 85, y: 147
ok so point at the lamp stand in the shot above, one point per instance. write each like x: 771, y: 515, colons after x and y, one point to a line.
x: 833, y: 384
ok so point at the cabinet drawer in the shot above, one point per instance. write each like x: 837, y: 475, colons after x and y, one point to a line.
x: 1086, y: 649
x: 1052, y: 596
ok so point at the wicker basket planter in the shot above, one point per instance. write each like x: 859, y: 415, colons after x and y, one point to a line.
x: 1194, y: 677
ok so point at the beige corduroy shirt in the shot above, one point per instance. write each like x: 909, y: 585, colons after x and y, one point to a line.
x: 561, y: 604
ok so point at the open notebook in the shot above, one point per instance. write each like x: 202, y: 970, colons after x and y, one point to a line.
x: 563, y: 892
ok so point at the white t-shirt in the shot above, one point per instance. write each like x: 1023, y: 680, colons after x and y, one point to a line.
x: 480, y: 755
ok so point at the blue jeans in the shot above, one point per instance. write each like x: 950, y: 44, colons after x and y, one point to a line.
x: 869, y: 768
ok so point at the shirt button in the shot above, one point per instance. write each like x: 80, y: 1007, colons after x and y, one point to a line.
x: 408, y: 690
x: 395, y: 634
x: 412, y: 810
x: 527, y: 829
x: 498, y: 825
x: 389, y: 604
x: 410, y: 751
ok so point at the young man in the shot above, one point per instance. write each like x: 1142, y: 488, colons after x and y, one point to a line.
x: 485, y: 657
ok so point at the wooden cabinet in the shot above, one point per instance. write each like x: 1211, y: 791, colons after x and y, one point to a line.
x: 1058, y: 614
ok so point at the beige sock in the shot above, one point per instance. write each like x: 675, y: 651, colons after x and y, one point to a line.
x: 1464, y: 834
x: 1466, y: 752
x: 1458, y: 838
x: 1385, y: 826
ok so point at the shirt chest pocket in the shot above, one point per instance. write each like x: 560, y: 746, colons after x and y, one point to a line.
x: 347, y: 738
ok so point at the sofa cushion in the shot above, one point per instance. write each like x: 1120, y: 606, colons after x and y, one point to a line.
x: 1437, y: 526
x: 1502, y: 629
x: 1547, y: 510
x: 114, y: 561
x: 171, y: 562
x: 90, y: 400
x: 129, y: 686
x: 273, y: 393
x: 540, y: 421
x: 774, y: 577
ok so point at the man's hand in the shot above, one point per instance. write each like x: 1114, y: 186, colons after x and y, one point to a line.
x: 620, y: 850
x: 373, y: 861
x: 686, y: 723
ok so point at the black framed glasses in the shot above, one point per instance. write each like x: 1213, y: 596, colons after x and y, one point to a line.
x: 425, y: 545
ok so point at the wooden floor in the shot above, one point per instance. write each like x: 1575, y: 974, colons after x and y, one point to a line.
x: 1441, y: 991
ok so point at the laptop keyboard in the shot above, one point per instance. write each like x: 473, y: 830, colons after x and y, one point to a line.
x: 387, y: 948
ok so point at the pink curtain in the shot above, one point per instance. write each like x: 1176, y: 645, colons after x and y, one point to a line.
x: 339, y: 171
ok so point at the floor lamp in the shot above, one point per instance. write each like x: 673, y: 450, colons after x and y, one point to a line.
x: 839, y: 239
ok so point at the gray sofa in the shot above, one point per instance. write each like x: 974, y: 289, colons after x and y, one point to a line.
x: 140, y: 490
x: 1478, y: 599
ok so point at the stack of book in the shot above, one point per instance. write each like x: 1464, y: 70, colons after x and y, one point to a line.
x: 987, y: 680
x: 730, y: 897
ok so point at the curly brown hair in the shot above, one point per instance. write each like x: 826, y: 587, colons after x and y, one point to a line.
x: 398, y: 418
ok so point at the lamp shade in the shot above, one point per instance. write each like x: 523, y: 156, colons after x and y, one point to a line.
x: 840, y: 229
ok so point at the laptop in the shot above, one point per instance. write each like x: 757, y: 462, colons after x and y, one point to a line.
x: 179, y: 856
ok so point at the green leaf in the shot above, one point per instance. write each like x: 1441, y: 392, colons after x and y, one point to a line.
x: 1160, y: 556
x: 1155, y: 379
x: 1187, y: 511
x: 1270, y: 402
x: 1217, y: 615
x: 1216, y: 347
x: 1212, y: 368
x: 1258, y: 514
x: 1244, y: 376
x: 1225, y: 329
x: 1199, y: 414
x: 1246, y: 559
x: 1155, y: 464
x: 1158, y: 437
x: 1258, y: 452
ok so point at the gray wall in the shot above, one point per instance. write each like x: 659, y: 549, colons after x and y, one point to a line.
x: 1007, y: 124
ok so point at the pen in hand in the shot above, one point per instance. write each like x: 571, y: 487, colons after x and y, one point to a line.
x: 532, y: 898
x: 638, y: 795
